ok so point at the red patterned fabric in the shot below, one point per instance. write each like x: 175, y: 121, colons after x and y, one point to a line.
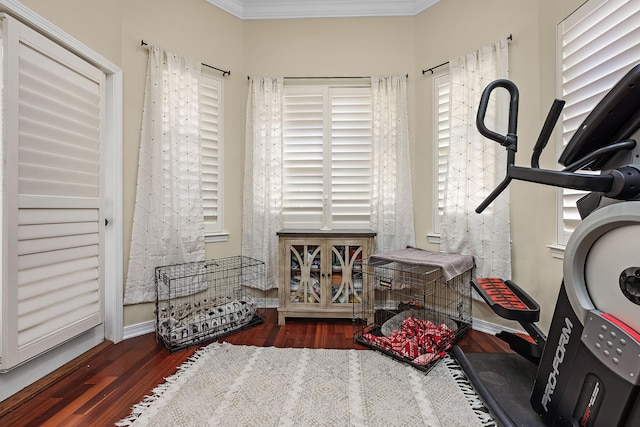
x: 419, y: 340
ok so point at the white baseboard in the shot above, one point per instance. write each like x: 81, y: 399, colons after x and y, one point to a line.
x: 492, y: 328
x: 138, y: 329
x: 478, y: 325
x: 149, y: 326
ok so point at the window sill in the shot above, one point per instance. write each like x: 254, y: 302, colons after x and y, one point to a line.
x: 216, y: 238
x: 433, y: 238
x: 557, y: 251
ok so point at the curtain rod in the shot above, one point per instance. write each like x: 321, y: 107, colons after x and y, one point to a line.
x: 323, y: 77
x: 224, y: 72
x: 445, y: 63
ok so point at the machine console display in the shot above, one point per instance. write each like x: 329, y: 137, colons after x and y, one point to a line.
x: 615, y: 118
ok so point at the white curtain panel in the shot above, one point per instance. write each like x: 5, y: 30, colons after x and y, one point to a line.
x: 168, y: 225
x: 476, y: 165
x: 262, y: 190
x: 391, y: 195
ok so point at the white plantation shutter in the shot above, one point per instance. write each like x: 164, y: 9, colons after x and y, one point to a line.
x: 351, y: 157
x: 211, y: 151
x: 598, y: 44
x: 442, y: 105
x: 327, y: 140
x: 54, y: 122
x: 303, y: 156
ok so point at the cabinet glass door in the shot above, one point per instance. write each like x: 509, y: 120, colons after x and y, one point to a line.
x: 346, y: 277
x: 305, y: 274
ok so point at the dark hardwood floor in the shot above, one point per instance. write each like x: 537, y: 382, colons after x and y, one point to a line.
x: 102, y: 390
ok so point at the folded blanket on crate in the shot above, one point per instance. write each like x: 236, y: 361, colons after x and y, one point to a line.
x: 185, y: 322
x: 452, y: 265
x: 419, y: 340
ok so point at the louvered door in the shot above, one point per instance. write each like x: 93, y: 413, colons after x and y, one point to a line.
x: 53, y: 228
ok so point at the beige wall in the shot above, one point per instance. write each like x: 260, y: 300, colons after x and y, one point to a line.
x: 96, y: 24
x: 332, y: 47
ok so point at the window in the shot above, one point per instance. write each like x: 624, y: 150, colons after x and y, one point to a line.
x: 441, y: 134
x: 597, y: 45
x: 327, y: 157
x: 211, y: 151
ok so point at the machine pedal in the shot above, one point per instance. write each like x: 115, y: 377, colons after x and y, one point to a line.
x: 507, y: 300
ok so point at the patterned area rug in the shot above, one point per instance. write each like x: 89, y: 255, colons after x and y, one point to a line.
x: 230, y: 385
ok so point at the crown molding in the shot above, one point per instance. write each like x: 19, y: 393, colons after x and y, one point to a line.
x: 421, y: 5
x: 234, y: 7
x: 281, y: 9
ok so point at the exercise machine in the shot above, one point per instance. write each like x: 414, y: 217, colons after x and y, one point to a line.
x: 586, y: 372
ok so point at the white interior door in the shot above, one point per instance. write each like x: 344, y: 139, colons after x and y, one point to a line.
x: 54, y: 216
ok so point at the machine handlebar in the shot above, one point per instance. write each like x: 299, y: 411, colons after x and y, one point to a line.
x: 510, y: 140
x: 623, y: 183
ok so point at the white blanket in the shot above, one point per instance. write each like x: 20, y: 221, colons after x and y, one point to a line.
x: 187, y: 324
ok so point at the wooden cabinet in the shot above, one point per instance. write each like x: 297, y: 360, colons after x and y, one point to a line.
x: 321, y: 272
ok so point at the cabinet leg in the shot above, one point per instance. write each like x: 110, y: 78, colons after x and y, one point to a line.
x: 281, y: 319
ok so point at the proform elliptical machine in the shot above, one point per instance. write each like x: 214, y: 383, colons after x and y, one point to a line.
x: 587, y: 371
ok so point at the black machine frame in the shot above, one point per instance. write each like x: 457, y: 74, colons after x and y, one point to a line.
x: 587, y: 371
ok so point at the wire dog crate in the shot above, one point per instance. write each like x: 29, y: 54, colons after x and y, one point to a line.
x: 204, y: 300
x: 418, y: 315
